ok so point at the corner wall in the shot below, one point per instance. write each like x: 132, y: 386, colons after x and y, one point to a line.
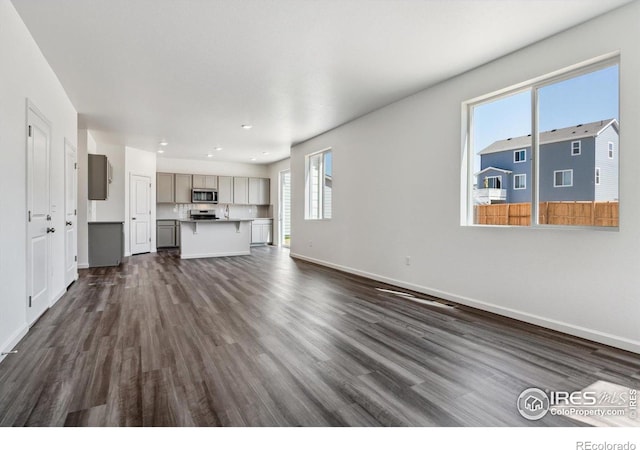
x: 25, y: 74
x: 396, y: 193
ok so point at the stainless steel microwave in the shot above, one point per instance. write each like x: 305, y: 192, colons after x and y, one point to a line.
x: 204, y: 196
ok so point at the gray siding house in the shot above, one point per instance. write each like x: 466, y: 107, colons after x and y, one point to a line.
x: 578, y: 163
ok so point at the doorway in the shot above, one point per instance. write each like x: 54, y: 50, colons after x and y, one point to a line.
x: 39, y: 225
x: 140, y: 217
x: 285, y: 208
x: 70, y: 213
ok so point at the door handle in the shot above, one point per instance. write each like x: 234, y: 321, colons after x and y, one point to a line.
x: 51, y: 230
x: 69, y: 224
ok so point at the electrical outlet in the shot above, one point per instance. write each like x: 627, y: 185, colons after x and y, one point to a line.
x: 407, y: 260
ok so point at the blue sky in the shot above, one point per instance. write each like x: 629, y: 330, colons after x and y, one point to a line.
x: 583, y: 99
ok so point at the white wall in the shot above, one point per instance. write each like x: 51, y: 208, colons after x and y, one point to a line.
x: 139, y: 162
x: 274, y: 174
x: 178, y: 165
x: 25, y: 74
x: 396, y: 193
x: 86, y: 145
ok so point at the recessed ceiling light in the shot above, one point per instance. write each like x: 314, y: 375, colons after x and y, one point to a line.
x: 164, y: 143
x: 247, y: 126
x: 265, y: 153
x: 209, y: 155
x: 160, y: 151
x: 218, y: 149
x: 254, y: 158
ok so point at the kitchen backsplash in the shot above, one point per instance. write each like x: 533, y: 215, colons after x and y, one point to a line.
x: 181, y: 211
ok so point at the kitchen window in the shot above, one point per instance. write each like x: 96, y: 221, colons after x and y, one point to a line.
x: 563, y: 178
x: 319, y: 185
x: 526, y: 130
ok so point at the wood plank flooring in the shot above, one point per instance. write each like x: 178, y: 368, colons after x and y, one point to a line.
x: 266, y: 340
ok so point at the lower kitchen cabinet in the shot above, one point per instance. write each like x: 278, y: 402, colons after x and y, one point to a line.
x: 106, y: 244
x: 262, y: 231
x: 167, y: 233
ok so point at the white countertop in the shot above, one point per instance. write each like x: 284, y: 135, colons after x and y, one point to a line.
x: 213, y: 220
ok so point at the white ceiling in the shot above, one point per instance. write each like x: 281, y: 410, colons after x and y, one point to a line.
x: 193, y: 71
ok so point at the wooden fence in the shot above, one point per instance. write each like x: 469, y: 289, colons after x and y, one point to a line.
x: 599, y: 214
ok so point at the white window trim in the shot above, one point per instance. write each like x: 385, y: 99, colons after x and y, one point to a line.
x: 579, y: 148
x: 518, y: 151
x: 562, y: 185
x: 611, y: 149
x: 467, y: 206
x: 499, y: 177
x: 597, y: 175
x: 308, y: 192
x: 524, y: 176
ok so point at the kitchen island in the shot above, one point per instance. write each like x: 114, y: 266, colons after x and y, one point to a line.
x: 213, y: 238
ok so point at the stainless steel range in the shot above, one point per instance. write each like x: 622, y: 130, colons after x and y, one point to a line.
x: 202, y: 214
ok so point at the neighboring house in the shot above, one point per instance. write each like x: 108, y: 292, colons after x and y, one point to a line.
x: 578, y: 163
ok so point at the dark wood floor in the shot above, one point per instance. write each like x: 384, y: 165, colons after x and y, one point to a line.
x: 268, y: 340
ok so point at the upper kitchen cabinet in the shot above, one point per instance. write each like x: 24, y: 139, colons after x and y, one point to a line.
x: 241, y: 190
x: 225, y: 190
x: 99, y: 177
x: 259, y: 191
x: 165, y: 188
x: 183, y: 188
x: 205, y: 182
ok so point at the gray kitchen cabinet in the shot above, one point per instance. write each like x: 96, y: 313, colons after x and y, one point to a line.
x: 106, y: 244
x: 205, y: 182
x: 240, y: 190
x: 166, y: 233
x: 165, y: 188
x: 183, y: 188
x: 262, y: 231
x: 225, y: 190
x: 99, y: 177
x: 259, y: 191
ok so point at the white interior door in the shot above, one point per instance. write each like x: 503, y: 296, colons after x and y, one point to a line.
x: 70, y: 213
x: 140, y: 217
x: 38, y: 214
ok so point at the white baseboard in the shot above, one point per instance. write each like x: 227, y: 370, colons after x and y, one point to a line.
x: 575, y: 330
x: 13, y: 341
x: 215, y: 255
x: 83, y: 266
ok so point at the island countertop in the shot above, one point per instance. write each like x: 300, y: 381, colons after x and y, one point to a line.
x: 207, y: 238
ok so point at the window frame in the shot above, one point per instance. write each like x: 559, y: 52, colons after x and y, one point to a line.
x: 532, y: 86
x: 611, y: 149
x: 579, y: 148
x: 563, y: 171
x: 497, y: 177
x: 524, y: 185
x: 515, y: 152
x: 308, y: 187
x: 597, y: 176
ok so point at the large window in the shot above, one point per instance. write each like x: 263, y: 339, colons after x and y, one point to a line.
x: 569, y: 124
x: 319, y: 185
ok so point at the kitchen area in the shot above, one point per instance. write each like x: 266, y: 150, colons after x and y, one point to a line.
x: 207, y: 215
